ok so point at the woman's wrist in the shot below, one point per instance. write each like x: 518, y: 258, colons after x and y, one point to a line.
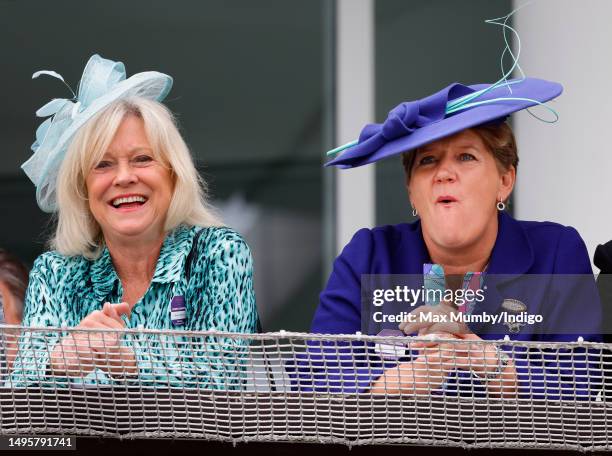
x: 120, y: 364
x: 488, y: 362
x: 497, y: 371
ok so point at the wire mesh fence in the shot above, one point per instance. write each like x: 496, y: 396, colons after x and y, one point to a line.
x: 349, y: 389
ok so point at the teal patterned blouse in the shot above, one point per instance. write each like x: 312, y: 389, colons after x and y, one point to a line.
x: 218, y: 295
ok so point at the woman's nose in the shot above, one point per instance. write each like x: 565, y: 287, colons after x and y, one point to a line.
x: 125, y: 175
x: 445, y: 172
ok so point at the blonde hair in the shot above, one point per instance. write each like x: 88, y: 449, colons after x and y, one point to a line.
x: 77, y: 231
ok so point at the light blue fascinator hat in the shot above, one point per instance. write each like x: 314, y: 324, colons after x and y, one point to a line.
x: 103, y: 82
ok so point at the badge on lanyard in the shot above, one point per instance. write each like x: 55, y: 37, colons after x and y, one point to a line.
x: 177, y: 311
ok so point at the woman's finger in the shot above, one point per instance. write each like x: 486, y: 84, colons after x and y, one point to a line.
x: 430, y: 340
x: 93, y: 320
x: 107, y: 309
x: 123, y: 308
x: 96, y: 340
x: 98, y: 319
x: 100, y: 341
x: 428, y: 315
x: 446, y: 327
x: 110, y: 310
x: 416, y: 320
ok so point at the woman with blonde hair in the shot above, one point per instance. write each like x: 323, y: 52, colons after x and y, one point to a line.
x: 136, y: 243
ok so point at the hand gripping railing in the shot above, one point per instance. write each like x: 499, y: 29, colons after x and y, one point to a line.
x: 282, y: 387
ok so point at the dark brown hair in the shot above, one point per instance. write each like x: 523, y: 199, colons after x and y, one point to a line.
x: 14, y: 274
x: 498, y: 139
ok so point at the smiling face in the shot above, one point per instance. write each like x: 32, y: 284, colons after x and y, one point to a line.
x: 454, y: 185
x: 129, y: 191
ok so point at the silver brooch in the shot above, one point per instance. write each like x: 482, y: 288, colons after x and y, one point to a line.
x: 514, y: 307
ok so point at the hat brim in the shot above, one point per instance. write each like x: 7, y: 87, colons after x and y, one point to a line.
x: 531, y: 88
x: 149, y: 84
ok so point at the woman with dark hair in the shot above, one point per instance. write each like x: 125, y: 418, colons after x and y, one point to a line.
x: 13, y: 285
x: 603, y: 260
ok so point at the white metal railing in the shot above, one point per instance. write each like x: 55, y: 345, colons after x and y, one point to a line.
x: 307, y: 387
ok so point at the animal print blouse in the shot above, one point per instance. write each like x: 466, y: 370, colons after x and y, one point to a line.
x: 217, y: 292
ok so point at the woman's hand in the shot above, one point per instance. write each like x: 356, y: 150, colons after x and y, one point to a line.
x: 80, y: 352
x: 464, y: 354
x: 486, y: 361
x: 436, y: 359
x: 112, y: 357
x: 444, y: 319
x: 444, y: 324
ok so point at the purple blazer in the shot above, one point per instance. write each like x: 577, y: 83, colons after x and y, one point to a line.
x: 521, y: 248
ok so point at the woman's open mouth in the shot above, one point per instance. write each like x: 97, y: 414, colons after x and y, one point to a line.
x: 129, y: 203
x: 446, y: 200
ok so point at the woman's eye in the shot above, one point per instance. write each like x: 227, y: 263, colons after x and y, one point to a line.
x: 427, y: 160
x: 466, y: 157
x: 143, y: 159
x: 103, y: 164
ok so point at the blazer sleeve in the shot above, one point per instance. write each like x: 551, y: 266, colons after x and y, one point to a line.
x: 603, y: 260
x: 566, y: 373
x: 334, y: 366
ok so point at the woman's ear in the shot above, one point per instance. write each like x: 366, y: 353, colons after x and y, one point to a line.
x: 508, y: 178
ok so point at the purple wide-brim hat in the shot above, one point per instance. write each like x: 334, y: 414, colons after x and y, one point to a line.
x: 457, y: 107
